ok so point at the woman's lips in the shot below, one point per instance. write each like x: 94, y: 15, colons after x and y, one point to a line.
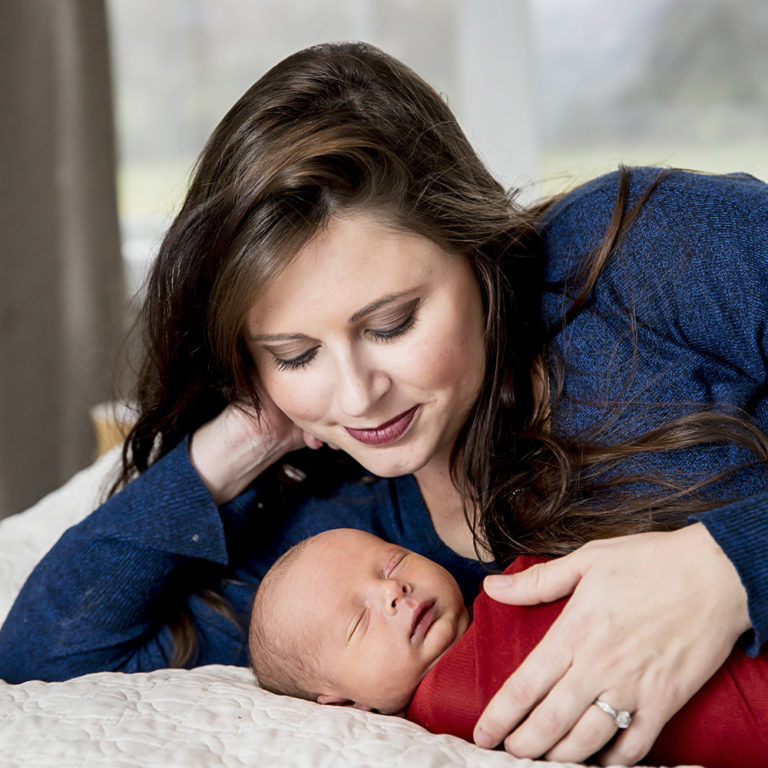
x: 388, y: 432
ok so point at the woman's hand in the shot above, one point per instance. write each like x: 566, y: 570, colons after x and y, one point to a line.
x: 232, y: 449
x: 651, y: 618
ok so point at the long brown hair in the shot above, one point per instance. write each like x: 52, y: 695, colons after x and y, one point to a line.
x: 344, y: 126
x: 541, y: 493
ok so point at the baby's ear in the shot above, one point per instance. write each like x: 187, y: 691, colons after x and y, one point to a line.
x: 340, y: 701
x: 324, y: 698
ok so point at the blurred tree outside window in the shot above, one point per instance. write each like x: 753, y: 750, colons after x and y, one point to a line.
x: 181, y: 64
x: 652, y: 82
x: 665, y: 82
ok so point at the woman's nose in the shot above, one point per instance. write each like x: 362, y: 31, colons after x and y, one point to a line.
x: 359, y: 386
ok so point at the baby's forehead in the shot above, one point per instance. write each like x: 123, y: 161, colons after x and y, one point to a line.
x: 339, y: 539
x: 314, y: 604
x: 344, y: 546
x: 327, y: 566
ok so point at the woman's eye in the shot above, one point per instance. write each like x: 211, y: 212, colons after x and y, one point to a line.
x: 389, y: 334
x: 294, y: 363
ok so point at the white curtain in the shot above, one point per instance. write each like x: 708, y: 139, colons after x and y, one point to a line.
x: 61, y: 277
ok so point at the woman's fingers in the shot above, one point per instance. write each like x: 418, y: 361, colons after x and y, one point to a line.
x: 593, y: 729
x: 540, y: 583
x: 554, y: 719
x: 635, y: 742
x: 520, y: 693
x: 315, y: 442
x: 652, y: 616
x: 234, y: 447
x: 312, y: 441
x: 541, y: 669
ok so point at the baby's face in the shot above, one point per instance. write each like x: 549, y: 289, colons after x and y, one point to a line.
x: 382, y: 614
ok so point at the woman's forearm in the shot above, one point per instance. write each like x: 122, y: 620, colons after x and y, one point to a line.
x: 93, y: 602
x: 741, y: 531
x: 230, y: 451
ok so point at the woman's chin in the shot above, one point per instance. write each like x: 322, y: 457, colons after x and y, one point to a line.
x: 383, y: 465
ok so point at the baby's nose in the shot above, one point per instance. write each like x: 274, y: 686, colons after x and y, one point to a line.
x: 396, y: 592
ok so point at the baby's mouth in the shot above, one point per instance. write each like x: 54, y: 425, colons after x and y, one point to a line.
x: 423, y: 617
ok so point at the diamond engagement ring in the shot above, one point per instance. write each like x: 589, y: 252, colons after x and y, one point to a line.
x: 621, y: 718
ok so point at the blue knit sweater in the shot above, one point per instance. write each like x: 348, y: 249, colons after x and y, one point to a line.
x: 693, y: 273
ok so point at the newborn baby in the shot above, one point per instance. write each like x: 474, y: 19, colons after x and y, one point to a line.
x: 347, y: 618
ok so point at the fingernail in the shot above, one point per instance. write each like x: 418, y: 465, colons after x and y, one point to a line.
x: 482, y: 739
x: 498, y: 582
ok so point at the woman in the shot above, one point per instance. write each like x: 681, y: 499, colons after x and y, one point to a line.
x: 344, y: 271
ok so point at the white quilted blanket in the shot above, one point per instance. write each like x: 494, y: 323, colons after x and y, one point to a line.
x: 209, y: 717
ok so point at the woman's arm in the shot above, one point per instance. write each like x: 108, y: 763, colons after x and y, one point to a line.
x: 230, y: 451
x: 651, y: 618
x: 741, y: 531
x: 102, y: 597
x: 87, y: 606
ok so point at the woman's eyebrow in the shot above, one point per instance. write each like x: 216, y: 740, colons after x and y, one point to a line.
x: 374, y: 305
x: 361, y: 313
x: 278, y: 337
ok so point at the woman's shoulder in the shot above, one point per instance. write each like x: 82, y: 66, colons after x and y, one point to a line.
x: 598, y: 196
x: 680, y: 206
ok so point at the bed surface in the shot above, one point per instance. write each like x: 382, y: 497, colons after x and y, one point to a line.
x: 209, y: 717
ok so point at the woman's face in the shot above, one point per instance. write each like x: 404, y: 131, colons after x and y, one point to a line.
x: 371, y: 339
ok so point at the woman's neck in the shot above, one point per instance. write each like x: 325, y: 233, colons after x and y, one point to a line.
x: 446, y: 509
x: 442, y: 499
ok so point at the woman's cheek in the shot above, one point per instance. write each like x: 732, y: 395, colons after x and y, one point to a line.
x: 297, y: 395
x: 449, y: 360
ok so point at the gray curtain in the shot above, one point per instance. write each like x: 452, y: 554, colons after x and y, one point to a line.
x: 61, y: 277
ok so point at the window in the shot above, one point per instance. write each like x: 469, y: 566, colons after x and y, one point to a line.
x: 657, y: 82
x: 551, y: 92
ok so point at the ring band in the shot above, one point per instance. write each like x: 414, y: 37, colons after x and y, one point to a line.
x: 621, y: 718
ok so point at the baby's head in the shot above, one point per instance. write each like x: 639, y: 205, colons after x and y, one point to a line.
x: 347, y: 618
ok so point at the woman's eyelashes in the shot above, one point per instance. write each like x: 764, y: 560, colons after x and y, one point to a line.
x: 294, y: 363
x: 394, y: 323
x: 399, y: 326
x: 390, y: 334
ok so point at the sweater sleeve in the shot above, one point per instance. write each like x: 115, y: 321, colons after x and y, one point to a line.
x: 99, y: 600
x: 693, y: 273
x: 741, y: 530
